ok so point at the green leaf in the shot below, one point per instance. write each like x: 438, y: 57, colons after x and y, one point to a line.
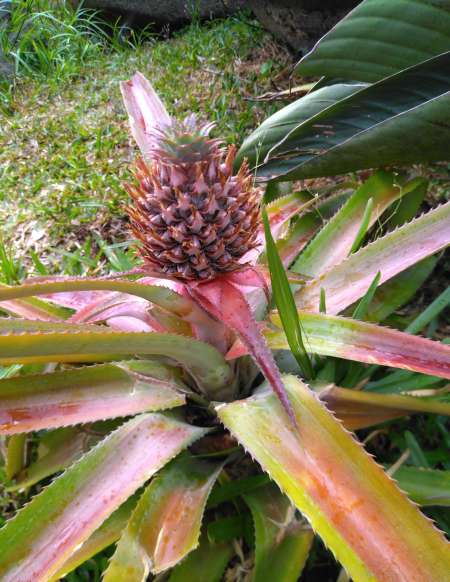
x: 371, y: 527
x: 391, y: 254
x: 57, y: 450
x: 282, y: 541
x: 399, y: 290
x: 433, y: 310
x: 43, y: 535
x: 424, y: 486
x: 334, y: 241
x: 201, y: 360
x: 284, y: 300
x: 379, y: 38
x: 29, y: 403
x: 165, y: 526
x: 205, y: 564
x: 364, y: 130
x: 233, y: 489
x: 16, y: 454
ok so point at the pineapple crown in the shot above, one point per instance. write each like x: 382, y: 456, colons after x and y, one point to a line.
x: 194, y: 218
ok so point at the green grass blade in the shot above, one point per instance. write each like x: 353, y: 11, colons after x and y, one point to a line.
x: 284, y: 300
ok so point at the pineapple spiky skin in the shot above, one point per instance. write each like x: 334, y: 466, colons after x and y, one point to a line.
x: 194, y: 218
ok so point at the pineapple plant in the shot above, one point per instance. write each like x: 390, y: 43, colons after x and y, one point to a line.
x: 181, y: 399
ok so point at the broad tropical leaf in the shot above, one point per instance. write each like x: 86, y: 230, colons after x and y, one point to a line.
x: 43, y: 535
x: 282, y: 541
x: 379, y: 38
x: 29, y: 403
x: 371, y: 527
x: 165, y: 526
x: 349, y: 280
x: 363, y: 130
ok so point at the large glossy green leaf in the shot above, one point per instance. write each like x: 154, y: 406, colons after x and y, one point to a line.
x: 203, y: 361
x: 364, y: 130
x: 349, y: 280
x: 359, y: 409
x: 43, y: 535
x: 165, y: 526
x: 371, y: 527
x: 282, y: 540
x: 379, y: 38
x: 341, y: 337
x: 85, y: 394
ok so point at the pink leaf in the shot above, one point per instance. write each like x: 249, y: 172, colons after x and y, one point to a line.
x: 227, y: 303
x: 145, y: 110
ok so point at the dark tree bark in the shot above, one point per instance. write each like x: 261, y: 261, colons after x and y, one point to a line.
x: 300, y: 23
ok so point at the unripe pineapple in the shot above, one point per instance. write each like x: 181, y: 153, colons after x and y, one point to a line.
x: 194, y: 218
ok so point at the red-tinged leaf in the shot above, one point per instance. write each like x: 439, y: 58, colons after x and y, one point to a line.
x: 165, y: 526
x: 349, y: 280
x: 333, y: 242
x: 205, y: 564
x: 44, y: 534
x: 162, y: 296
x: 225, y: 302
x: 33, y: 308
x: 330, y: 335
x: 108, y: 533
x: 201, y: 360
x: 57, y: 450
x: 43, y: 401
x: 296, y: 239
x: 359, y: 409
x: 282, y: 541
x: 371, y: 527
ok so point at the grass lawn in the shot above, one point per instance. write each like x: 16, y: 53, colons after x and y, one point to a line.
x: 65, y: 149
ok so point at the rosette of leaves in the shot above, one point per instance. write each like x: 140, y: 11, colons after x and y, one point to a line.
x: 187, y: 407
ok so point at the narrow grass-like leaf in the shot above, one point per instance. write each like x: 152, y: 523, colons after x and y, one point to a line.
x: 205, y: 564
x: 399, y: 290
x: 363, y: 227
x: 285, y: 302
x: 334, y: 241
x: 43, y: 535
x: 433, y: 310
x: 165, y: 526
x: 236, y: 488
x: 425, y: 486
x: 203, y: 361
x: 329, y: 335
x: 370, y: 526
x: 391, y: 254
x: 417, y: 455
x: 282, y: 541
x: 361, y: 309
x: 359, y: 409
x: 29, y: 403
